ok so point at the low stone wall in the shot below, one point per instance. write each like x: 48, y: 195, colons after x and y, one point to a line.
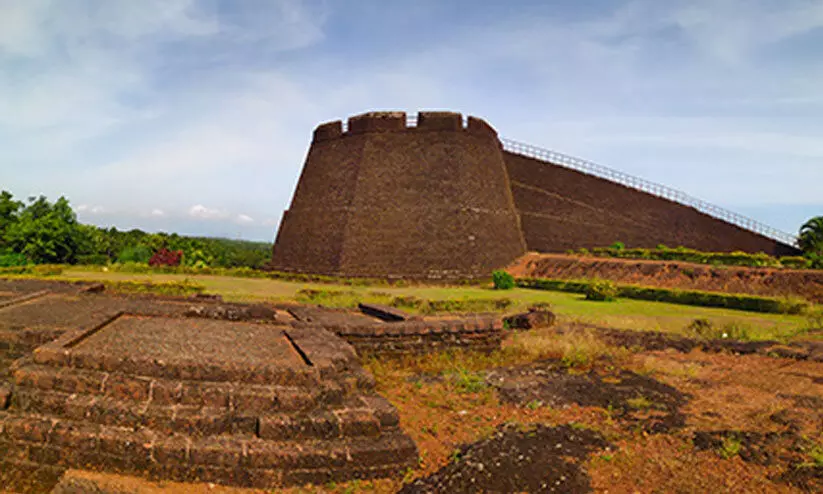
x: 478, y: 333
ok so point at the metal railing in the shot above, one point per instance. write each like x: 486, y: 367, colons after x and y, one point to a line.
x: 652, y: 188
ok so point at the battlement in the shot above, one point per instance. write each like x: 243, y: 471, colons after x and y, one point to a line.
x: 397, y: 121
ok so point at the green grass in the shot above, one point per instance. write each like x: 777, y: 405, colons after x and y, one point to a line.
x: 622, y: 313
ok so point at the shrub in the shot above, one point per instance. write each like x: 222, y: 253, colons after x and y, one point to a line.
x: 795, y: 262
x: 701, y: 329
x: 793, y: 305
x: 601, y: 291
x: 815, y: 260
x: 503, y: 280
x: 618, y: 246
x: 730, y: 447
x: 12, y: 259
x: 165, y: 257
x: 135, y: 253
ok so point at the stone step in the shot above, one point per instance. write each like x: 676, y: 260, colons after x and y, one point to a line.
x: 232, y: 460
x: 139, y: 389
x: 358, y: 418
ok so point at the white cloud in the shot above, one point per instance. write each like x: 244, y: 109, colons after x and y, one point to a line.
x: 158, y: 212
x: 202, y: 212
x: 244, y: 219
x: 85, y: 208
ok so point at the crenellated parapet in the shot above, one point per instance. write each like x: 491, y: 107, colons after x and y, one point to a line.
x: 388, y: 193
x: 396, y: 121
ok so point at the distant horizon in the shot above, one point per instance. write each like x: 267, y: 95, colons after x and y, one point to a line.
x: 195, y: 115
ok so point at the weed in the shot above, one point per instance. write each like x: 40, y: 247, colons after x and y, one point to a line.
x: 576, y: 357
x: 408, y: 475
x: 730, y: 447
x: 704, y: 329
x: 814, y: 319
x: 467, y: 381
x: 534, y: 404
x: 701, y: 329
x: 455, y: 456
x: 640, y: 402
x: 816, y: 454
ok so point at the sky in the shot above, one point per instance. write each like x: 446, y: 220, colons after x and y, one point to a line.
x: 195, y: 116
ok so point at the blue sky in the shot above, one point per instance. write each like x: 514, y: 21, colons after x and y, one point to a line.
x: 195, y: 115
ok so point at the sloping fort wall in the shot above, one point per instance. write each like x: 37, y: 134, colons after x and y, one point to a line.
x: 563, y: 209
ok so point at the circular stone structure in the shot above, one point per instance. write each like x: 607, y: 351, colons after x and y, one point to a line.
x: 384, y: 198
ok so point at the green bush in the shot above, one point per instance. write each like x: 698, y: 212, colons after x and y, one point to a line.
x: 795, y: 262
x: 503, y: 280
x: 139, y: 254
x: 601, y: 291
x: 618, y: 246
x: 11, y: 259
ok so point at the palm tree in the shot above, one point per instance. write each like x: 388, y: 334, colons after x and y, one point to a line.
x: 811, y: 236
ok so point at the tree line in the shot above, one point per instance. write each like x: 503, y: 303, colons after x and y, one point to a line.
x: 41, y: 232
x: 38, y: 231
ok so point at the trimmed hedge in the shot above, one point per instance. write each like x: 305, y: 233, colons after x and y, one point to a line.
x: 683, y: 254
x: 752, y: 303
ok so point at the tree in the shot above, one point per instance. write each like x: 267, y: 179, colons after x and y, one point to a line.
x: 45, y: 232
x: 8, y: 213
x: 811, y: 236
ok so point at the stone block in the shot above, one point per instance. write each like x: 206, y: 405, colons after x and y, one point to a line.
x: 533, y: 319
x: 358, y: 422
x: 124, y: 387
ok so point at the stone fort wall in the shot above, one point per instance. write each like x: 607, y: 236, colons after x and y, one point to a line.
x: 383, y: 198
x: 444, y: 200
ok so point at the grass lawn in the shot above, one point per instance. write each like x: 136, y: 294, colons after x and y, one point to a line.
x: 623, y: 313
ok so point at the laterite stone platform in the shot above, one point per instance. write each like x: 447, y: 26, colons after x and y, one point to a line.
x: 142, y: 390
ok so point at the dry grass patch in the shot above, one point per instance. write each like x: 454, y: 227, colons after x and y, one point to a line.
x: 665, y: 463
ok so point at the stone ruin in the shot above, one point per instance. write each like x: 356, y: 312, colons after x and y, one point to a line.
x: 200, y: 390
